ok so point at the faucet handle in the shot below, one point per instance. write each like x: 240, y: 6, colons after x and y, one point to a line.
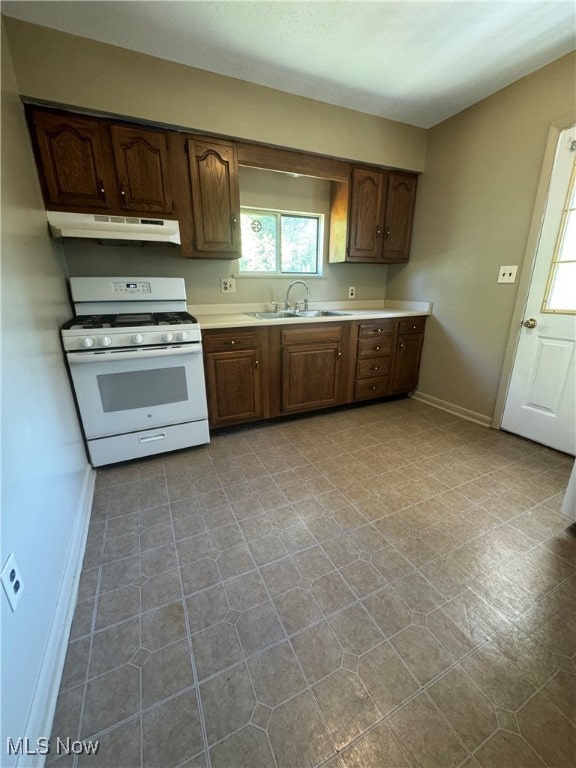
x: 276, y: 306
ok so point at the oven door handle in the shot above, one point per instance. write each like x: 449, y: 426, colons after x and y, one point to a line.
x: 132, y: 354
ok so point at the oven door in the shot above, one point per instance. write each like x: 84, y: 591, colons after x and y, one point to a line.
x: 126, y: 390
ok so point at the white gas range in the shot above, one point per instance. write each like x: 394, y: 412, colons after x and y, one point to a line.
x: 135, y: 359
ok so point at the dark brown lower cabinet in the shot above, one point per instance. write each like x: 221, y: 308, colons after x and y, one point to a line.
x: 312, y: 366
x: 236, y: 379
x: 408, y: 354
x: 254, y: 374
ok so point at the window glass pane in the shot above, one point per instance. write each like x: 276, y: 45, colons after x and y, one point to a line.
x: 563, y: 291
x: 299, y: 244
x: 258, y: 242
x: 567, y: 250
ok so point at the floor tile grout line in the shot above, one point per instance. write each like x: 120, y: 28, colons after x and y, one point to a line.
x: 199, y: 704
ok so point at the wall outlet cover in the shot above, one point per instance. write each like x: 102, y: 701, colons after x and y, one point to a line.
x: 351, y: 292
x: 12, y: 582
x: 507, y: 274
x: 227, y: 285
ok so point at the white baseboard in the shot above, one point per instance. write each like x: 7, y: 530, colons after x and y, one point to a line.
x: 456, y: 410
x: 46, y: 694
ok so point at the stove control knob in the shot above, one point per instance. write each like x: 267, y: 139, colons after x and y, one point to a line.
x: 168, y: 337
x: 105, y: 341
x: 137, y: 338
x: 87, y: 342
x: 182, y: 336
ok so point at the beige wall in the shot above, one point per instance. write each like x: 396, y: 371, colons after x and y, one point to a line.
x: 43, y: 459
x: 473, y: 214
x: 58, y: 67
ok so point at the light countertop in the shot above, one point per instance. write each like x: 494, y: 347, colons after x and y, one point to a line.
x: 233, y: 315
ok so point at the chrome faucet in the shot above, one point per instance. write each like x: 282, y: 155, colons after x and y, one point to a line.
x: 296, y: 282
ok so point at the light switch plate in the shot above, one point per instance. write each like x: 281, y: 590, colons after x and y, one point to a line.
x: 507, y: 274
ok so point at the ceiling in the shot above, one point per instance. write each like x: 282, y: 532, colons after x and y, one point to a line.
x: 416, y: 62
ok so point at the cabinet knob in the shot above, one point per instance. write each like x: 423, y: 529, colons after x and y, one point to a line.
x: 376, y: 368
x: 339, y: 352
x: 377, y: 349
x: 232, y: 342
x: 378, y: 230
x: 101, y: 185
x: 123, y: 193
x: 234, y: 219
x: 256, y: 363
x: 387, y: 233
x: 401, y: 345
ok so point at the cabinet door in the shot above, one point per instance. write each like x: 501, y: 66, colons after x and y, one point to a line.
x: 366, y: 216
x: 141, y: 158
x: 74, y: 169
x: 215, y: 196
x: 234, y: 387
x: 310, y: 376
x: 400, y: 199
x: 407, y: 364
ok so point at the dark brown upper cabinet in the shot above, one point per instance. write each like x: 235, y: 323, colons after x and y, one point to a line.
x: 88, y: 165
x: 215, y: 194
x: 72, y: 161
x: 400, y: 201
x: 381, y: 213
x: 141, y: 164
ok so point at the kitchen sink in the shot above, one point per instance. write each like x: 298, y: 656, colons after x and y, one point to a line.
x: 289, y: 314
x: 272, y: 315
x: 319, y: 313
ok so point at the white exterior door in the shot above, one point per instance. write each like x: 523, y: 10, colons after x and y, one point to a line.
x: 541, y: 399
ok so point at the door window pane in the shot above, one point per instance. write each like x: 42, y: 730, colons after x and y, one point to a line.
x: 561, y: 290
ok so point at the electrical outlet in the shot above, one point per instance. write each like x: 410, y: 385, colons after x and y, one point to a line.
x: 351, y: 292
x: 12, y: 582
x: 227, y: 285
x: 507, y: 274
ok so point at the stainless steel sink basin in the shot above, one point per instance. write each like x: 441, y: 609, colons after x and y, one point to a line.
x: 272, y: 315
x: 290, y: 314
x: 319, y: 313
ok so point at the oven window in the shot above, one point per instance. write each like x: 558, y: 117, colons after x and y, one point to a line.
x: 142, y: 389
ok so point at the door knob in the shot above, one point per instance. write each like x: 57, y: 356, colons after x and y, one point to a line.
x: 531, y: 323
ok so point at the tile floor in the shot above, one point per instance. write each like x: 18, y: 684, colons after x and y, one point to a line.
x: 383, y: 586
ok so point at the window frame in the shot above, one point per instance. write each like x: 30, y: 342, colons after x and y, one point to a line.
x: 279, y: 213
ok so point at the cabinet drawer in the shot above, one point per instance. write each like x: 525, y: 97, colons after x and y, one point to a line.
x: 372, y: 387
x: 375, y: 347
x: 373, y: 367
x: 412, y: 325
x: 318, y: 333
x: 376, y: 328
x: 229, y: 341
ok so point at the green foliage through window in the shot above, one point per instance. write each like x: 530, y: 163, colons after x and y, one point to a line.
x: 274, y: 242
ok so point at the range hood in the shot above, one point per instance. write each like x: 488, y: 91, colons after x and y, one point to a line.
x: 113, y: 229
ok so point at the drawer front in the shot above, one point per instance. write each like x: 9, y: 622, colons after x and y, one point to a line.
x: 370, y: 368
x: 376, y: 328
x: 372, y: 387
x: 375, y: 347
x: 229, y: 341
x: 412, y: 325
x: 318, y: 333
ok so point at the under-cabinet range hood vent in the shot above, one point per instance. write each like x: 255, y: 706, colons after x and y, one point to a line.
x: 113, y: 229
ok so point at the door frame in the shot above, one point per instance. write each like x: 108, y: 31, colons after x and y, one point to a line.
x: 527, y: 266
